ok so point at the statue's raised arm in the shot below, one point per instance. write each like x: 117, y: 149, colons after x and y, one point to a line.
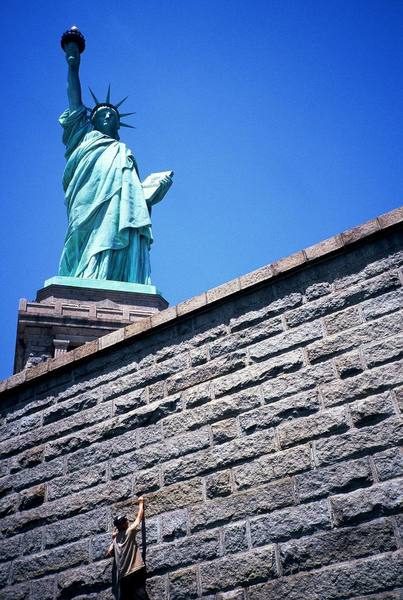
x: 73, y: 44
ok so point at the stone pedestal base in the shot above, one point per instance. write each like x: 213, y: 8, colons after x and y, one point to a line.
x: 69, y: 312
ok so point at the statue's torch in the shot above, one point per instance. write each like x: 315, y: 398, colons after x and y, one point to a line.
x: 73, y: 35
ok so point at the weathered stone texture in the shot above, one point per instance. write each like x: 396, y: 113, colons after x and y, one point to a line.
x: 263, y: 425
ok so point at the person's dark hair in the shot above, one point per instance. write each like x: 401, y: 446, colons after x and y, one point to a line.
x: 119, y: 521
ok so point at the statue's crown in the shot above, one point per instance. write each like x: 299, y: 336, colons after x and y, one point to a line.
x: 108, y: 104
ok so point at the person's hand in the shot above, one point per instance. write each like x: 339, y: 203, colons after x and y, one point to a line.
x: 72, y: 55
x: 139, y: 500
x: 114, y: 533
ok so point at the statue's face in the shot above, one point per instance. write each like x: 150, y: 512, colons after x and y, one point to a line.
x: 106, y: 121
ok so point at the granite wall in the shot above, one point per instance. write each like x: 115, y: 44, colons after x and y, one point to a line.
x: 262, y: 421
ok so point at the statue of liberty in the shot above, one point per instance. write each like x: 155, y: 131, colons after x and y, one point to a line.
x: 109, y: 211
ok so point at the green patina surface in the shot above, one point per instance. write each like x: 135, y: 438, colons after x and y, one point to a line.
x: 109, y: 214
x: 103, y: 284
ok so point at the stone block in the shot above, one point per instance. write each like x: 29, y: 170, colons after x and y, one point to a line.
x: 294, y: 383
x: 218, y: 485
x: 241, y: 505
x: 77, y: 481
x: 85, y: 350
x: 39, y: 473
x: 199, y: 356
x: 317, y: 290
x: 219, y: 457
x: 283, y: 410
x: 257, y: 374
x: 11, y: 549
x: 192, y: 304
x: 301, y: 336
x: 174, y: 497
x: 137, y: 328
x: 382, y: 305
x: 363, y: 576
x: 99, y: 546
x: 322, y: 424
x: 275, y: 466
x: 182, y: 552
x: 389, y: 463
x: 357, y: 233
x: 347, y: 297
x: 157, y: 587
x: 385, y: 350
x: 234, y: 538
x: 33, y: 497
x: 345, y: 319
x: 76, y: 527
x: 379, y: 500
x: 282, y: 525
x: 224, y: 431
x: 197, y: 395
x: 76, y: 583
x: 16, y: 592
x: 244, y: 337
x: 324, y: 247
x: 44, y: 588
x: 355, y: 337
x: 174, y: 525
x: 62, y: 410
x: 255, y: 277
x: 290, y: 262
x: 183, y: 585
x: 390, y: 218
x: 111, y: 339
x: 358, y: 442
x: 371, y: 410
x: 211, y: 370
x: 250, y: 318
x: 31, y: 542
x: 366, y: 384
x: 249, y: 567
x: 9, y: 505
x: 336, y: 546
x: 339, y: 478
x: 349, y: 365
x: 226, y: 289
x: 164, y: 316
x: 129, y: 402
x: 49, y: 562
x: 211, y: 412
x: 30, y: 422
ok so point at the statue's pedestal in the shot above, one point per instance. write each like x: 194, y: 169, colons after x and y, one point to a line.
x: 69, y: 312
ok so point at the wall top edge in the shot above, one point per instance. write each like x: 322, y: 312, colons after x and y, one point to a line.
x: 300, y: 259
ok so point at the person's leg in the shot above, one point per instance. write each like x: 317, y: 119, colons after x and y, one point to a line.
x: 132, y: 587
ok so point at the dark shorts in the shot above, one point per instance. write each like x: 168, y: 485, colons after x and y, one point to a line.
x: 132, y: 587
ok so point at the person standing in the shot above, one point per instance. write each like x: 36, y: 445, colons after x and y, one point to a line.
x: 130, y: 568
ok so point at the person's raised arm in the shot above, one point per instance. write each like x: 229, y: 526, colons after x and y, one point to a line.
x: 137, y: 522
x: 73, y: 78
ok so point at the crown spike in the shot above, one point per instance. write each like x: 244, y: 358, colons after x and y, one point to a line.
x: 121, y: 102
x: 126, y: 114
x: 126, y: 125
x: 108, y: 95
x: 94, y: 96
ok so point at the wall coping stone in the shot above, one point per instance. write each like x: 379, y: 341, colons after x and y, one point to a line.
x: 254, y: 279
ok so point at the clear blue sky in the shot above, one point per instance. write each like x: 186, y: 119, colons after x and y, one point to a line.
x: 282, y: 120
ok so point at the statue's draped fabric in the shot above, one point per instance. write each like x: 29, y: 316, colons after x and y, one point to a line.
x: 109, y: 226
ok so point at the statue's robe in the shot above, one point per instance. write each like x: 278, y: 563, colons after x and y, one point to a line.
x: 109, y: 226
